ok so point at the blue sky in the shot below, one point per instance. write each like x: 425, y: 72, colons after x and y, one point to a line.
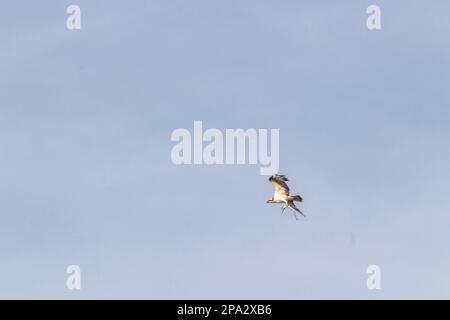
x: 85, y: 170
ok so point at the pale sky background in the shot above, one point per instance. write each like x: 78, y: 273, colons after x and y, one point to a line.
x: 86, y: 176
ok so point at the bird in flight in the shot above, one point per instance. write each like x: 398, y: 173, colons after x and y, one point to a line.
x: 282, y: 195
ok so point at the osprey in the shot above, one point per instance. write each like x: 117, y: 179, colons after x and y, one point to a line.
x: 282, y: 195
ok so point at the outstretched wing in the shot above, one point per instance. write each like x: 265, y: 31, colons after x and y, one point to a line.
x: 278, y: 182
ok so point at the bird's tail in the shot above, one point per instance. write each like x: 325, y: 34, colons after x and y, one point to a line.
x: 296, y: 198
x: 293, y: 207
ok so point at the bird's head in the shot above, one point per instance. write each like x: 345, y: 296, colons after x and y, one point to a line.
x: 270, y: 200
